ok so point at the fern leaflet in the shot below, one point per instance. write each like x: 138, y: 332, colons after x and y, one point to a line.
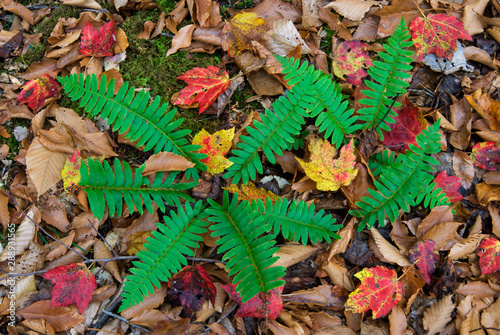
x: 105, y: 186
x: 165, y: 252
x: 388, y: 83
x: 150, y: 124
x: 248, y: 252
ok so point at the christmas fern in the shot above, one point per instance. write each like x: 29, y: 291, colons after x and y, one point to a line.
x: 150, y: 124
x: 248, y: 250
x: 401, y: 182
x: 388, y: 83
x: 104, y: 185
x: 165, y: 252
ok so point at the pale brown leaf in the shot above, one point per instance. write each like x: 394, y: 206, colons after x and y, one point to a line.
x: 478, y: 289
x: 148, y: 28
x: 24, y: 286
x: 71, y: 257
x: 397, y: 320
x: 339, y: 246
x: 310, y: 13
x: 463, y: 168
x: 495, y: 219
x: 44, y: 166
x: 437, y: 215
x: 352, y: 9
x: 293, y: 254
x: 97, y: 143
x: 472, y: 322
x: 279, y: 329
x: 32, y: 260
x: 466, y: 247
x: 283, y: 38
x: 101, y: 250
x: 390, y: 252
x: 60, y: 318
x: 166, y: 161
x: 182, y: 39
x: 152, y: 301
x: 491, y: 318
x: 437, y: 316
x: 24, y: 234
x: 338, y: 273
x: 4, y: 211
x: 82, y: 3
x: 56, y: 249
x: 442, y: 233
x: 18, y: 9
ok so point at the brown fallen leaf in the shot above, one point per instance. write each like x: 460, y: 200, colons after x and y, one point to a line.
x: 148, y: 28
x: 18, y: 9
x: 487, y: 193
x: 463, y: 168
x: 166, y: 161
x: 60, y: 318
x: 488, y: 108
x: 82, y: 3
x: 437, y: 316
x: 182, y: 39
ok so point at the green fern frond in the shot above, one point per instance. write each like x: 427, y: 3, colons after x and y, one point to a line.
x: 388, y: 83
x: 329, y: 107
x: 247, y: 249
x: 382, y: 160
x: 104, y: 185
x: 400, y: 183
x: 165, y: 252
x: 150, y: 124
x: 274, y: 134
x: 297, y: 221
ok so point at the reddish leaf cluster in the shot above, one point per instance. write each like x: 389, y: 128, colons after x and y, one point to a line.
x: 37, y: 90
x: 485, y: 154
x: 425, y: 254
x: 98, y: 43
x: 267, y: 305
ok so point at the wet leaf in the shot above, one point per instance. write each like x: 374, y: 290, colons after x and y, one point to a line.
x: 98, y: 43
x: 264, y: 305
x: 379, y: 291
x: 192, y: 285
x: 328, y: 173
x: 489, y: 255
x: 74, y: 284
x: 239, y: 32
x: 216, y: 147
x: 484, y: 155
x: 37, y: 90
x: 426, y: 255
x: 351, y: 59
x: 450, y: 185
x: 438, y: 34
x: 204, y: 86
x: 409, y: 123
x: 71, y: 170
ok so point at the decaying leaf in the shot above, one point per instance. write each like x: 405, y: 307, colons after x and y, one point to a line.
x: 409, y: 123
x: 328, y: 173
x: 484, y: 155
x: 438, y: 34
x: 489, y: 255
x: 204, y: 86
x: 350, y: 59
x: 215, y: 146
x: 284, y: 38
x: 379, y: 291
x: 37, y: 90
x: 192, y: 285
x: 74, y: 284
x: 426, y: 255
x: 239, y: 32
x: 450, y: 185
x: 250, y: 192
x: 264, y: 305
x: 71, y: 171
x: 98, y: 43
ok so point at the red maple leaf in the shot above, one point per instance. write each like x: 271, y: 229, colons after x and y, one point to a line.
x: 409, y: 123
x: 204, y: 86
x: 437, y: 33
x: 192, y: 285
x: 74, y: 285
x: 450, y: 185
x: 489, y: 255
x: 485, y: 155
x: 426, y: 256
x: 35, y: 91
x: 264, y: 305
x: 379, y: 291
x: 98, y: 43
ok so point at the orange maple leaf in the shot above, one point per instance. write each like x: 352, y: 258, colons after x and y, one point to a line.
x: 328, y: 173
x: 239, y: 32
x: 250, y: 192
x: 215, y: 146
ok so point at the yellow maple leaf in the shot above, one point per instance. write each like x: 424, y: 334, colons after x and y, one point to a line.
x: 250, y: 192
x: 215, y: 146
x: 239, y: 32
x: 328, y: 173
x: 71, y: 170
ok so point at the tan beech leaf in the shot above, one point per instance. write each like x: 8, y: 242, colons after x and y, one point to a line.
x: 82, y: 3
x: 472, y: 322
x: 182, y: 39
x: 310, y: 13
x: 148, y: 28
x: 492, y: 177
x: 352, y: 9
x: 119, y: 4
x: 495, y: 219
x: 24, y: 286
x: 18, y: 9
x: 390, y: 252
x: 39, y: 326
x: 337, y: 330
x: 478, y: 289
x: 490, y: 318
x: 146, y: 222
x: 397, y: 320
x: 278, y: 328
x: 332, y: 296
x: 149, y: 318
x: 71, y: 257
x: 333, y: 22
x: 97, y: 143
x: 60, y: 318
x: 166, y: 161
x: 32, y: 260
x: 283, y: 38
x: 480, y: 56
x: 466, y: 247
x: 44, y: 166
x: 293, y: 254
x: 437, y: 215
x: 24, y: 233
x: 152, y: 301
x: 444, y: 123
x: 101, y: 250
x: 437, y: 316
x: 487, y: 193
x: 323, y: 319
x: 55, y: 249
x: 442, y: 233
x: 338, y: 274
x: 339, y: 246
x: 463, y: 168
x: 4, y: 211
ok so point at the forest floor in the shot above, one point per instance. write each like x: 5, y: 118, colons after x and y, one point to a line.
x: 382, y: 250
